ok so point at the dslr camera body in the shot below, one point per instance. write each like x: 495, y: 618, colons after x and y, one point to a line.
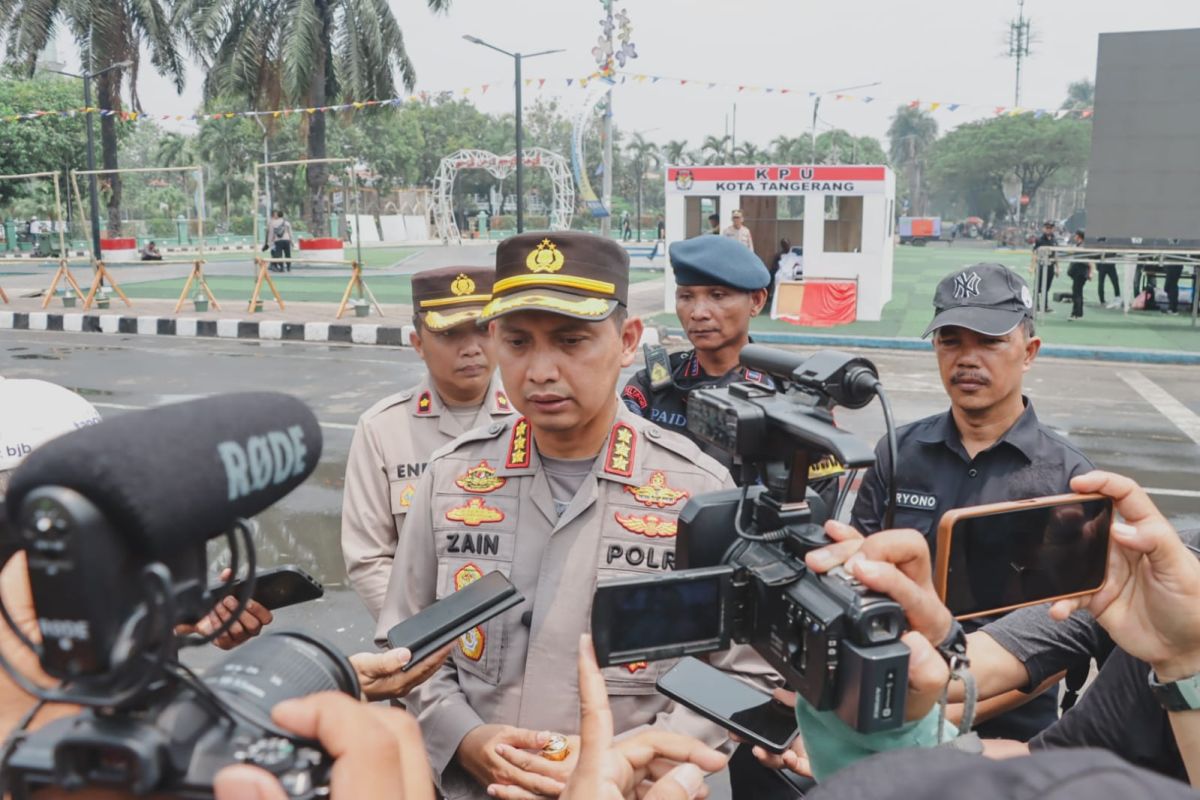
x: 740, y: 552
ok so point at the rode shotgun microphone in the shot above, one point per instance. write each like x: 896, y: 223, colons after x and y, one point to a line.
x: 170, y: 477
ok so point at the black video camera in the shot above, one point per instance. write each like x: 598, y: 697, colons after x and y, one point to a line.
x: 115, y: 542
x: 742, y: 576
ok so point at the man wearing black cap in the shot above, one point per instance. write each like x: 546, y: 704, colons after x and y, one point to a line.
x: 720, y: 287
x: 574, y: 490
x: 395, y: 437
x: 1047, y: 271
x: 989, y: 447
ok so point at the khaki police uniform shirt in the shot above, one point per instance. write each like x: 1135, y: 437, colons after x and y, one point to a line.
x: 392, y: 444
x: 484, y: 505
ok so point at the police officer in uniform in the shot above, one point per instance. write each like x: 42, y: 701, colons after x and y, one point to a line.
x: 719, y: 287
x: 573, y: 490
x: 396, y: 436
x: 989, y: 447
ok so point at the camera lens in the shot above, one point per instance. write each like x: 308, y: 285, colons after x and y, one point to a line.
x: 281, y: 666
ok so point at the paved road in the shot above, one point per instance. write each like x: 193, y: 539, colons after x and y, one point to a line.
x: 1115, y: 413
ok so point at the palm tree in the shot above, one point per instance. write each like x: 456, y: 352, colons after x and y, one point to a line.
x: 311, y: 53
x: 785, y: 149
x: 715, y: 149
x: 911, y: 133
x: 1081, y: 95
x: 676, y: 152
x: 750, y: 153
x: 107, y: 32
x: 173, y: 151
x: 642, y: 153
x: 222, y: 145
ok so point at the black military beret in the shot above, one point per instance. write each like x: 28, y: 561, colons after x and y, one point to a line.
x: 717, y: 261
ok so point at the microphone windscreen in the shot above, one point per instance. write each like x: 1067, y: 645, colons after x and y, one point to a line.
x: 176, y: 475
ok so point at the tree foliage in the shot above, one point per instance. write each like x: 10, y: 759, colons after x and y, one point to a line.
x: 973, y: 160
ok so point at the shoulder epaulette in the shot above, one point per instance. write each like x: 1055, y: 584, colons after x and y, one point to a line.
x: 396, y: 399
x: 479, y: 434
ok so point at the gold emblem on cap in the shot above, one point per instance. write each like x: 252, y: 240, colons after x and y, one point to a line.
x: 546, y: 257
x: 462, y: 285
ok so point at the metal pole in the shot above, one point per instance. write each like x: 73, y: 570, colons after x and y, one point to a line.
x: 606, y: 183
x: 520, y: 153
x: 813, y: 135
x: 93, y: 193
x: 267, y: 173
x: 641, y: 169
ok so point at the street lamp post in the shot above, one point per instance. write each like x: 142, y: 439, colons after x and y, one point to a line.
x: 817, y: 105
x: 93, y: 193
x: 519, y: 136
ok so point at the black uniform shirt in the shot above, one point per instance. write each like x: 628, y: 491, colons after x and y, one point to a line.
x: 667, y: 407
x: 935, y: 474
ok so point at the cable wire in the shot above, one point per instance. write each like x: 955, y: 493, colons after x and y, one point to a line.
x: 889, y: 517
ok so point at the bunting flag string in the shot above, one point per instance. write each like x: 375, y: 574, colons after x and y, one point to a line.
x: 612, y: 77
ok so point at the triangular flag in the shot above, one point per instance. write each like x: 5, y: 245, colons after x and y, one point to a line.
x: 541, y: 82
x: 741, y: 88
x: 1087, y: 112
x: 529, y: 81
x: 838, y: 96
x: 914, y: 104
x: 952, y: 107
x: 712, y: 86
x: 934, y: 106
x: 868, y: 99
x: 655, y: 79
x: 569, y: 80
x: 999, y: 110
x: 784, y: 91
x: 683, y: 81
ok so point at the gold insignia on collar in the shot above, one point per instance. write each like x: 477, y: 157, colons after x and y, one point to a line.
x: 480, y: 479
x: 425, y: 402
x: 650, y: 525
x: 470, y: 643
x: 657, y: 493
x: 475, y: 513
x: 462, y: 285
x: 546, y: 257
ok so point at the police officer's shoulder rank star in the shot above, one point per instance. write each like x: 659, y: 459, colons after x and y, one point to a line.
x: 650, y: 525
x: 518, y: 445
x: 656, y: 493
x: 621, y: 444
x: 424, y: 403
x: 475, y: 513
x: 502, y: 400
x: 480, y: 479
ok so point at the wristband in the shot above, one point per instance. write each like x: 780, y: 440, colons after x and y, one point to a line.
x: 954, y: 647
x: 1180, y: 695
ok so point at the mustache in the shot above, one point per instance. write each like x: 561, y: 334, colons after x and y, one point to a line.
x: 969, y: 377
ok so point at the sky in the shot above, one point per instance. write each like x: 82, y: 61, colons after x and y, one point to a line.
x: 945, y: 51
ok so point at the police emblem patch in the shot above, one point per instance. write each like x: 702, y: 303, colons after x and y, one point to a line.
x: 480, y: 479
x: 651, y: 525
x: 475, y: 513
x: 656, y: 492
x: 470, y: 643
x: 406, y: 495
x: 635, y: 394
x: 462, y: 285
x: 546, y: 257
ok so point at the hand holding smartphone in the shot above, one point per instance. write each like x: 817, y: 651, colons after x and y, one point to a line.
x: 1002, y: 556
x: 751, y: 713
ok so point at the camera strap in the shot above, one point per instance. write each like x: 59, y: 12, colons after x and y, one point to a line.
x: 960, y: 671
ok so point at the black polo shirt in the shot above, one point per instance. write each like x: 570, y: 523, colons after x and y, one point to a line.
x: 935, y: 474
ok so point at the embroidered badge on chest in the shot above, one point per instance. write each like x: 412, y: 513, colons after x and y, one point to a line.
x: 480, y: 479
x: 475, y: 513
x: 406, y: 495
x: 470, y: 643
x: 657, y: 493
x: 650, y: 525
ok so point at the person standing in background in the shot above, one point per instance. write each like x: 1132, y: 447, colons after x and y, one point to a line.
x: 739, y: 232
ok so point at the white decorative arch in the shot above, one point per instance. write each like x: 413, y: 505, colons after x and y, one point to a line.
x: 561, y: 210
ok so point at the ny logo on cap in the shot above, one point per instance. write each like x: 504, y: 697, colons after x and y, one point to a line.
x: 966, y: 284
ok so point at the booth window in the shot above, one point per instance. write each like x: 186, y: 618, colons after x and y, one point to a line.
x: 843, y: 224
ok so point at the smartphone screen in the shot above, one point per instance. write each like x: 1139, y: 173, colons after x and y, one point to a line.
x: 1019, y: 557
x: 749, y: 712
x: 660, y: 617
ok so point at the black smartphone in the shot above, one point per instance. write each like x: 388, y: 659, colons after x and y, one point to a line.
x: 668, y: 615
x: 276, y: 588
x: 452, y: 616
x: 751, y: 713
x: 994, y: 558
